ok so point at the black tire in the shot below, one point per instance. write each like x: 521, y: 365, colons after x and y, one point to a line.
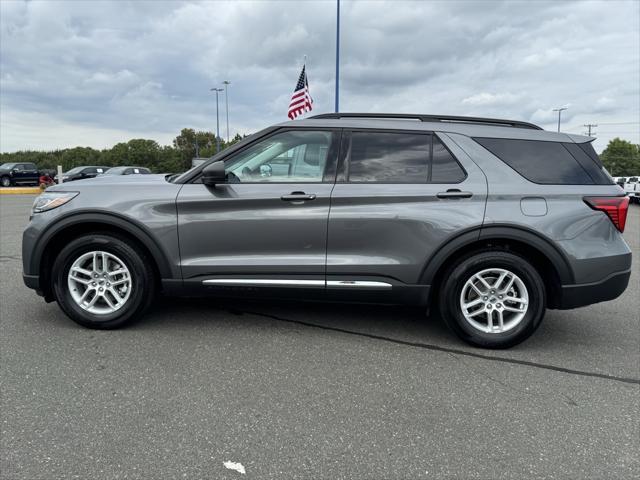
x: 455, y: 279
x: 5, y: 181
x: 142, y: 280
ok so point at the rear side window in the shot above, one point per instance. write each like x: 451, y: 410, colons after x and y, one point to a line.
x: 389, y: 157
x: 591, y: 164
x: 445, y: 168
x: 541, y: 162
x: 401, y: 158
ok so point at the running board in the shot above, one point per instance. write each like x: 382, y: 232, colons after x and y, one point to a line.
x: 254, y: 282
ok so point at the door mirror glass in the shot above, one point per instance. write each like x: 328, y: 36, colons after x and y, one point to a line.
x: 213, y: 174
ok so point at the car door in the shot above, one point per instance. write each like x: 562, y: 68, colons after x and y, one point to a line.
x: 399, y: 197
x: 18, y: 174
x: 30, y: 173
x: 267, y: 224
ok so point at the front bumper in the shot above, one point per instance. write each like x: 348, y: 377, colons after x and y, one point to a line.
x: 573, y: 296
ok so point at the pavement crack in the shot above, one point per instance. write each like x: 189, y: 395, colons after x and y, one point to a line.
x: 456, y: 351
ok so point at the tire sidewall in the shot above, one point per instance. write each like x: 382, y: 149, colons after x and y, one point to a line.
x: 140, y: 289
x: 515, y: 264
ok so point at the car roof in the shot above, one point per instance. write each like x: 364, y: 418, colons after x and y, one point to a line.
x: 471, y: 129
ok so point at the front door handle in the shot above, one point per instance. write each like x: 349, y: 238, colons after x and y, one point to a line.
x: 454, y: 193
x: 298, y: 197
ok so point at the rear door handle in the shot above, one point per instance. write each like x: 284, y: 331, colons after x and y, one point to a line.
x: 454, y: 193
x: 298, y: 197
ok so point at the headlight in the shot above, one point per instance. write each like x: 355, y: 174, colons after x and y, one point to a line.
x: 51, y: 200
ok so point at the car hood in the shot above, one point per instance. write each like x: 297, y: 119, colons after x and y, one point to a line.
x: 127, y: 181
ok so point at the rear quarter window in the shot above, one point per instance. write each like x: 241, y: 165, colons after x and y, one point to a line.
x: 550, y: 163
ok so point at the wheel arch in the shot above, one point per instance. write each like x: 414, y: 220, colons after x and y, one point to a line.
x: 54, y: 238
x: 550, y: 262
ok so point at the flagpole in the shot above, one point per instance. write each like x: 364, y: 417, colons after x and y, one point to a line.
x: 337, y: 54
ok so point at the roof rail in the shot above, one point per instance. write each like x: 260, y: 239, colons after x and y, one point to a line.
x: 431, y: 118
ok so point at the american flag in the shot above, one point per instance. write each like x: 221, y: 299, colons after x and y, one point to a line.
x: 300, y: 100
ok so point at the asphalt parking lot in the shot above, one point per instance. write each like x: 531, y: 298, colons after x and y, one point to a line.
x: 295, y: 390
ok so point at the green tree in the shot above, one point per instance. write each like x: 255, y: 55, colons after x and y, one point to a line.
x: 621, y: 158
x: 138, y: 151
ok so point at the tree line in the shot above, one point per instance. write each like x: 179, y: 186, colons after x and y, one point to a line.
x: 137, y: 152
x: 620, y: 157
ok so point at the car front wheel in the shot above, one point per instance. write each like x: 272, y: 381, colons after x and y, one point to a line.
x: 5, y: 181
x: 493, y: 299
x: 102, y: 281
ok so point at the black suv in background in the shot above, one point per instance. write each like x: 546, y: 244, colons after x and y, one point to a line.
x: 13, y: 174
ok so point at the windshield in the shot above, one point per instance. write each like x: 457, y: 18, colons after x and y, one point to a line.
x: 115, y: 171
x: 74, y: 170
x: 7, y: 165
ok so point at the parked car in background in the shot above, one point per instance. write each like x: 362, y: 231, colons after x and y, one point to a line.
x: 632, y: 189
x: 620, y: 180
x: 80, y: 173
x: 127, y: 171
x: 14, y: 174
x: 491, y: 221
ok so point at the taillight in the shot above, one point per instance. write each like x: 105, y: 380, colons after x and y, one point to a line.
x: 615, y: 207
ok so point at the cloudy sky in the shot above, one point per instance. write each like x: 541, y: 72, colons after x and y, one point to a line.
x: 95, y: 73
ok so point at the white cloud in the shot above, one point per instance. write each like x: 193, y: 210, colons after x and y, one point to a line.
x: 485, y: 98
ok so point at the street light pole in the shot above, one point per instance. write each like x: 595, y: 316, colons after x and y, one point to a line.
x: 226, y: 100
x: 559, y: 110
x: 217, y: 90
x: 337, y: 55
x: 226, y: 83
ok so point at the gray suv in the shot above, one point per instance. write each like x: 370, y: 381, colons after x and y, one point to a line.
x: 489, y: 221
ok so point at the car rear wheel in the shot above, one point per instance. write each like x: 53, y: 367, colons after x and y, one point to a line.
x: 493, y: 299
x: 103, y: 281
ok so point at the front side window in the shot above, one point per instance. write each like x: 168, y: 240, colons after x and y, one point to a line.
x: 389, y: 157
x: 295, y: 156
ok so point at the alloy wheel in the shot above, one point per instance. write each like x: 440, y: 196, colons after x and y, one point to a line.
x: 494, y: 300
x: 99, y: 282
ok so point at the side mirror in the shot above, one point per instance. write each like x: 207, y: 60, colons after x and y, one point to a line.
x: 214, y: 173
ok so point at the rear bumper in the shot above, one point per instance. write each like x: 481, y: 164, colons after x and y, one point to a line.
x: 573, y: 296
